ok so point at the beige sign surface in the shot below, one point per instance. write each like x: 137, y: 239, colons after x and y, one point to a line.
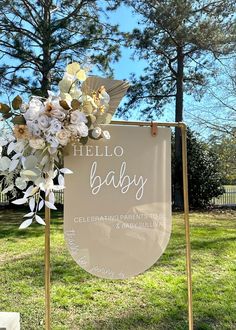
x: 117, y: 219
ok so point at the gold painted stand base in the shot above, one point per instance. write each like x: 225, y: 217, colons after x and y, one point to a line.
x: 183, y: 128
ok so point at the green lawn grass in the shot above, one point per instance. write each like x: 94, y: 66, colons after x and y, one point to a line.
x: 156, y: 299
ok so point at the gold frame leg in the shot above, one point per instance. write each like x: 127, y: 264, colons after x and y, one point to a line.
x: 187, y: 226
x: 47, y: 270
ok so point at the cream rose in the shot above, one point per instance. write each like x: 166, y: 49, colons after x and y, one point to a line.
x: 82, y: 129
x: 37, y: 143
x: 43, y: 122
x: 55, y: 126
x: 34, y: 110
x: 63, y: 137
x: 76, y: 117
x: 58, y: 114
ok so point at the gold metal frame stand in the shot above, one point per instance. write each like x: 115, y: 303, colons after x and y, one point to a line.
x: 47, y: 271
x: 183, y: 128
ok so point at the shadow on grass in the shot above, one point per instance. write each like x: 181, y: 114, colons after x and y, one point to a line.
x: 10, y: 221
x: 174, y: 318
x: 29, y: 266
x: 138, y: 320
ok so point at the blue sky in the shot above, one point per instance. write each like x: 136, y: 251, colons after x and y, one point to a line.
x: 208, y: 107
x: 122, y: 70
x: 127, y: 22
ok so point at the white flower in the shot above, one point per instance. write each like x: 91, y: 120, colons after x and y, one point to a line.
x: 43, y: 122
x: 81, y: 75
x: 105, y: 98
x: 55, y: 126
x: 75, y: 92
x: 0, y: 151
x: 63, y: 137
x: 34, y: 110
x: 23, y: 107
x: 96, y: 132
x: 37, y: 143
x: 106, y: 135
x: 66, y: 83
x: 33, y: 128
x: 47, y: 185
x: 67, y: 97
x: 76, y: 117
x: 88, y: 98
x: 72, y: 129
x: 52, y: 140
x: 82, y: 129
x: 73, y: 68
x: 52, y: 104
x: 56, y: 113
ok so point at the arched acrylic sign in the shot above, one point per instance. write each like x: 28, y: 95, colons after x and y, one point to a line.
x: 117, y: 220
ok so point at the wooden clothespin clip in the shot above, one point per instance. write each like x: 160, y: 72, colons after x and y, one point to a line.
x: 154, y: 129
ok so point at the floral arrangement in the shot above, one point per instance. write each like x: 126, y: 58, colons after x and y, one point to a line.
x: 34, y: 134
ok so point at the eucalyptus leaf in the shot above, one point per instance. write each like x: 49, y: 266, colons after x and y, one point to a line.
x: 32, y: 204
x: 30, y: 174
x: 64, y: 105
x: 28, y: 191
x: 44, y: 160
x: 4, y: 108
x: 20, y: 183
x: 89, y: 121
x: 52, y: 197
x: 83, y: 140
x: 41, y: 204
x: 75, y: 104
x: 20, y: 201
x: 50, y: 205
x: 39, y: 220
x: 4, y: 163
x: 11, y: 147
x: 61, y: 180
x: 17, y: 102
x: 30, y: 162
x: 30, y: 214
x: 26, y: 224
x: 7, y: 115
x: 13, y: 165
x: 19, y: 120
x: 65, y: 170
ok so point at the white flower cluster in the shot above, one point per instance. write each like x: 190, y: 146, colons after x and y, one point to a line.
x: 30, y: 155
x: 49, y: 123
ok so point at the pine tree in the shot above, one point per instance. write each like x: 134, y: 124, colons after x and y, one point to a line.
x: 181, y: 41
x: 37, y: 37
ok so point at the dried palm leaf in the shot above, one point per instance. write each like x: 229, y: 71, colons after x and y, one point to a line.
x: 115, y: 88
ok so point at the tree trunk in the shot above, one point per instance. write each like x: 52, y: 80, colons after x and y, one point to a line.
x: 178, y: 185
x: 46, y: 63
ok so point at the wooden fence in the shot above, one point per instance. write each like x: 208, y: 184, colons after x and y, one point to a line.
x: 59, y: 197
x: 3, y: 199
x: 227, y: 199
